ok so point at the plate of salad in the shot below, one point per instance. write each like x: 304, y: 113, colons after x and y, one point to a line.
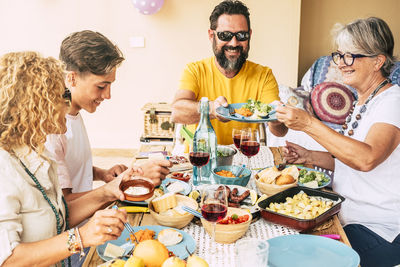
x: 251, y: 111
x: 312, y: 178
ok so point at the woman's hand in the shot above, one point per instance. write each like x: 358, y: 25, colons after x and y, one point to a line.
x: 105, y: 225
x: 296, y: 154
x: 294, y: 118
x: 111, y: 189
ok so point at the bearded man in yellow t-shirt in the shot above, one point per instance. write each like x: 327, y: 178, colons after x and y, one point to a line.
x: 228, y: 77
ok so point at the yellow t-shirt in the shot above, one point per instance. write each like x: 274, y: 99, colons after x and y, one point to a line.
x: 253, y: 81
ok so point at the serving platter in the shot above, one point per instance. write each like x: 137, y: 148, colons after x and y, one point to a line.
x: 310, y: 251
x: 179, y: 249
x: 224, y: 112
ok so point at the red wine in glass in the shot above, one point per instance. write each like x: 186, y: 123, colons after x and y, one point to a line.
x: 236, y: 140
x: 199, y: 158
x: 213, y: 212
x: 249, y: 148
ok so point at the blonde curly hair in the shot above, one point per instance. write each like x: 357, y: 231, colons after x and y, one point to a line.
x: 31, y: 102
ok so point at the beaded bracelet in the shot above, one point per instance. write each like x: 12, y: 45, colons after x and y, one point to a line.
x: 82, y: 253
x: 73, y: 243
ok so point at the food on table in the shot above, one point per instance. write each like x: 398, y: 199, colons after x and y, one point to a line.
x: 178, y: 159
x: 183, y: 176
x: 261, y: 198
x: 253, y: 197
x: 273, y: 176
x: 302, y: 206
x: 137, y: 190
x: 113, y: 251
x: 244, y: 111
x: 175, y: 187
x: 169, y: 237
x: 284, y: 179
x: 312, y: 179
x: 164, y: 202
x: 256, y: 109
x: 113, y: 263
x: 134, y: 262
x: 222, y: 153
x: 153, y: 253
x: 194, y: 194
x: 226, y: 173
x: 142, y: 235
x: 196, y: 261
x: 233, y: 198
x: 174, y: 262
x: 235, y: 219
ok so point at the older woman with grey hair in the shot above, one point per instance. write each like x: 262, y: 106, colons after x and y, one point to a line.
x: 365, y: 154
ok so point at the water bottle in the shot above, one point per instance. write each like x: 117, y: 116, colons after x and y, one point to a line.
x: 204, y: 140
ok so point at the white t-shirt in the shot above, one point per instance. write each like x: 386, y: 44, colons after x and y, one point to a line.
x: 25, y: 215
x: 373, y: 198
x: 73, y: 154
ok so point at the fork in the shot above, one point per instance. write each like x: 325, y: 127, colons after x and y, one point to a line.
x: 127, y: 226
x: 231, y: 111
x: 192, y: 211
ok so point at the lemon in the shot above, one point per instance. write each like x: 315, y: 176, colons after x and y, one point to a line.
x: 194, y: 194
x: 263, y: 196
x: 253, y: 197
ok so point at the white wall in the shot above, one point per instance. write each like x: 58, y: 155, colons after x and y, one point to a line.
x: 173, y: 37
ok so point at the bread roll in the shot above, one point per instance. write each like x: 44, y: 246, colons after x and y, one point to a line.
x: 284, y: 179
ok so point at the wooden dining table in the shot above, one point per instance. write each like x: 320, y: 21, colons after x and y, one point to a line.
x: 333, y: 226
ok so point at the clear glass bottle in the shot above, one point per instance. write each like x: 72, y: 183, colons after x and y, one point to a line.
x: 205, y: 139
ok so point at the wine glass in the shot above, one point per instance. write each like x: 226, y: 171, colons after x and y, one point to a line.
x: 236, y: 133
x: 214, y: 205
x: 199, y: 155
x: 250, y: 144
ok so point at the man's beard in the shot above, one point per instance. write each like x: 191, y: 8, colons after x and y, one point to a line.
x: 230, y: 64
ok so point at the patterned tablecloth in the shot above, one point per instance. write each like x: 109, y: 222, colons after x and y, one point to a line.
x: 224, y: 254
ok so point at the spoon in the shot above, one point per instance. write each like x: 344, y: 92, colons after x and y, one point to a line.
x: 240, y: 171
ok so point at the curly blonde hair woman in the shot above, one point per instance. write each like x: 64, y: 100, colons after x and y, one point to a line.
x: 31, y: 105
x: 33, y: 212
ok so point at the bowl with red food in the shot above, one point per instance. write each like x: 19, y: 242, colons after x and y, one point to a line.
x: 137, y: 189
x: 182, y: 176
x: 232, y: 227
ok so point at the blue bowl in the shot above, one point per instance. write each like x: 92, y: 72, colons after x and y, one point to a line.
x: 242, y: 181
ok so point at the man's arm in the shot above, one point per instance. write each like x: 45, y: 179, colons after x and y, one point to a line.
x: 184, y: 107
x: 277, y: 128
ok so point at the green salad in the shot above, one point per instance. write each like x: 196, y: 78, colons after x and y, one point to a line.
x: 258, y: 108
x: 306, y: 176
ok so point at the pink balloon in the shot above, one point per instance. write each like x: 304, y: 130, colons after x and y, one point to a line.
x: 148, y: 7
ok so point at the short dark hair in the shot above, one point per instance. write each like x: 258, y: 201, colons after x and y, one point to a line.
x: 229, y: 7
x: 89, y: 51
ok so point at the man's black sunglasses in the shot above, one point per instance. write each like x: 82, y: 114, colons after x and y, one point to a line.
x: 226, y: 36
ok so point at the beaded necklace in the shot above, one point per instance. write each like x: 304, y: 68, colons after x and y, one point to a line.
x: 363, y: 108
x: 56, y: 213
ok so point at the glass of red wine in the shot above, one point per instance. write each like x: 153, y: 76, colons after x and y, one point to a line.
x: 250, y: 144
x: 214, y: 205
x: 200, y: 155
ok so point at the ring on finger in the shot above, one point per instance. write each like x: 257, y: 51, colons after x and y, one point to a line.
x: 109, y: 230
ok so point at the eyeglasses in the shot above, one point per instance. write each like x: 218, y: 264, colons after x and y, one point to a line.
x: 348, y: 58
x: 67, y: 96
x: 226, y: 36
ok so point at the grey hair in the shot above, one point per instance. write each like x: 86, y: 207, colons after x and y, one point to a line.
x: 371, y: 36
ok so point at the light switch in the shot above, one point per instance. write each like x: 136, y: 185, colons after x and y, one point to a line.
x: 136, y: 41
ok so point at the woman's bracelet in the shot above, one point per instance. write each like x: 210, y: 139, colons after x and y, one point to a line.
x: 73, y: 243
x: 82, y: 252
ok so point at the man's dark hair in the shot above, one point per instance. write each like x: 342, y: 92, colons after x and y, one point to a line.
x: 90, y: 52
x: 229, y: 7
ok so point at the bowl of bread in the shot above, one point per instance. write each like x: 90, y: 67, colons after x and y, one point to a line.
x: 167, y: 210
x: 232, y: 227
x: 271, y: 181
